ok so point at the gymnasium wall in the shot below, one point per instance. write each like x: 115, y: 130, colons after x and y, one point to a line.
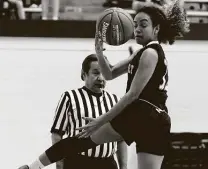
x: 66, y: 29
x: 82, y: 24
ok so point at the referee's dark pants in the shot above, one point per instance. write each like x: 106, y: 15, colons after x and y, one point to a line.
x: 85, y: 162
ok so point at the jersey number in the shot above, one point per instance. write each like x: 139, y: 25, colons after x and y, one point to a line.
x: 130, y: 68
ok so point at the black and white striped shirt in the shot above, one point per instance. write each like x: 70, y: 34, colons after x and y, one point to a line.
x: 83, y: 102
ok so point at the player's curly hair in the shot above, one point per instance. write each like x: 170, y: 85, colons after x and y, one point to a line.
x: 171, y: 18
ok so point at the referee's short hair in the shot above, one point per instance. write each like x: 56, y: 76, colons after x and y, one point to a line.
x: 87, y: 63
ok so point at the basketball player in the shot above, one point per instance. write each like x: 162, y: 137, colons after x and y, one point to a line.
x: 141, y: 115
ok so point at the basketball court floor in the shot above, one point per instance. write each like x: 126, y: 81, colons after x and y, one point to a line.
x: 35, y: 71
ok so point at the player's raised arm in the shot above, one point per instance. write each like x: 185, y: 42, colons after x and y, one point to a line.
x: 110, y: 72
x: 115, y: 27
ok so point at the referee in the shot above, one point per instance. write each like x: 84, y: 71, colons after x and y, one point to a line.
x: 88, y: 101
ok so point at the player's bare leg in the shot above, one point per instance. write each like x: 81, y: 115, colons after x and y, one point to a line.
x: 74, y: 145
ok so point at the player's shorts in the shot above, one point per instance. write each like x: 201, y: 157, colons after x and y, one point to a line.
x: 143, y: 124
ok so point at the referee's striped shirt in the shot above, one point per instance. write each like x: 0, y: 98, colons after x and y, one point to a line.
x: 83, y: 102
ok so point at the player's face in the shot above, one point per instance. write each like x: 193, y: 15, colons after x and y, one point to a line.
x: 94, y: 80
x: 143, y: 29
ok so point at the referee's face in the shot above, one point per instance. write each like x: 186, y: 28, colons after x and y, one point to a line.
x: 94, y: 80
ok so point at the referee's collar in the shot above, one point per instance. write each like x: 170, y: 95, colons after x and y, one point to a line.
x: 91, y: 92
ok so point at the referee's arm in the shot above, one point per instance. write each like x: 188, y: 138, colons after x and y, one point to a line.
x: 56, y: 138
x: 58, y: 129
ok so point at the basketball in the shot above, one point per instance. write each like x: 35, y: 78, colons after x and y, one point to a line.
x: 115, y: 25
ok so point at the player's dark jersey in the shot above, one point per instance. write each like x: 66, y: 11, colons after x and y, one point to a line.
x: 155, y: 90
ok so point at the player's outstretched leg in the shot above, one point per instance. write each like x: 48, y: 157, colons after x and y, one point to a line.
x: 73, y: 145
x: 66, y: 147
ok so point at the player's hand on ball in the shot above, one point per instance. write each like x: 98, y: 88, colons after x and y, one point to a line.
x: 98, y: 42
x: 24, y: 167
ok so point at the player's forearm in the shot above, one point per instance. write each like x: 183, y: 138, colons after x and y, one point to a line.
x: 127, y: 99
x: 122, y: 155
x: 104, y: 66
